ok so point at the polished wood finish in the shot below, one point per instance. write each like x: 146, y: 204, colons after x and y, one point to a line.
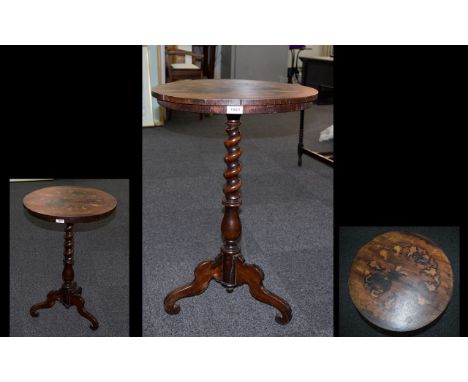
x: 213, y: 96
x: 401, y: 281
x: 71, y: 204
x: 229, y: 267
x: 68, y: 205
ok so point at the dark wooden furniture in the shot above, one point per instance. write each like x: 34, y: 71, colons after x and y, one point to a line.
x: 68, y: 205
x: 400, y: 281
x: 233, y: 98
x: 209, y: 58
x: 181, y: 71
x: 317, y: 72
x: 176, y: 71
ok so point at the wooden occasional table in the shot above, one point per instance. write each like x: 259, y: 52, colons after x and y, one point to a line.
x: 232, y: 98
x: 68, y: 205
x: 401, y: 281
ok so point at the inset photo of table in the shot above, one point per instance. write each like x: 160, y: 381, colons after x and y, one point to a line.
x: 69, y: 257
x: 399, y: 281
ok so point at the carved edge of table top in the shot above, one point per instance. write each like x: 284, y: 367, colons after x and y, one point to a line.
x: 71, y: 219
x: 214, y: 96
x: 247, y: 109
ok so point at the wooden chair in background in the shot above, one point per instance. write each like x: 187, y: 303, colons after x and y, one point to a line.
x: 178, y: 69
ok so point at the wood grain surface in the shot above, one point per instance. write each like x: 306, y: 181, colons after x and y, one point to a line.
x: 213, y: 96
x: 71, y: 204
x: 401, y: 281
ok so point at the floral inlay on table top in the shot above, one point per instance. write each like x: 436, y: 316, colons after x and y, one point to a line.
x: 401, y: 281
x: 68, y: 202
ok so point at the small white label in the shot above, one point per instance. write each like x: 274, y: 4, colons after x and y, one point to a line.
x: 235, y: 110
x: 59, y: 221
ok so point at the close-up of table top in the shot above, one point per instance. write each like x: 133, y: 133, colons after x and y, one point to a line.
x: 219, y: 96
x: 401, y: 281
x: 69, y: 204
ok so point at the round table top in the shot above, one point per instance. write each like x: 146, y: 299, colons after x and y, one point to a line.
x: 400, y: 281
x: 69, y: 204
x: 220, y: 96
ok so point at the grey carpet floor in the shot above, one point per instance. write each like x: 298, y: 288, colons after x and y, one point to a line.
x: 101, y: 266
x: 286, y: 215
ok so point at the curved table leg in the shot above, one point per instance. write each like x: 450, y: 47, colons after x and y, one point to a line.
x: 204, y: 273
x: 253, y: 276
x: 67, y: 298
x: 79, y: 302
x: 52, y: 297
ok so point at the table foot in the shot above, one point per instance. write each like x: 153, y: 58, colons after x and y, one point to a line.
x: 52, y: 298
x: 299, y: 160
x: 253, y: 276
x: 204, y: 273
x: 68, y: 297
x: 79, y: 302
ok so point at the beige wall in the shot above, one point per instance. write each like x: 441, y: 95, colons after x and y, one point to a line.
x: 188, y: 48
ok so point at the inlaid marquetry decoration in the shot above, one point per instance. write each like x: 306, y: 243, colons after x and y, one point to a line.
x: 72, y: 204
x: 401, y: 281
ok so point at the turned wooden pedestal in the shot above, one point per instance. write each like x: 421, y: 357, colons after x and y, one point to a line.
x: 232, y: 98
x: 401, y: 281
x: 68, y: 205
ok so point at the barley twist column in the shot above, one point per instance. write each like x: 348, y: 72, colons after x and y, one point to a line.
x: 231, y: 226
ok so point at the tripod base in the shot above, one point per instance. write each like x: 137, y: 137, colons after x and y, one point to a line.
x: 229, y: 267
x: 68, y: 297
x: 244, y: 273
